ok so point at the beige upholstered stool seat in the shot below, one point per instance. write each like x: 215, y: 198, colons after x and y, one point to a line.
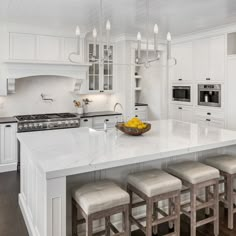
x: 154, y: 182
x: 193, y: 172
x: 224, y: 163
x: 99, y: 196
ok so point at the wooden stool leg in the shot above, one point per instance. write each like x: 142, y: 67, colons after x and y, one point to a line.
x: 177, y: 212
x: 207, y: 190
x: 216, y: 209
x: 107, y: 225
x: 74, y: 220
x: 149, y: 218
x: 155, y: 213
x: 193, y: 193
x: 230, y: 200
x: 130, y: 207
x: 170, y: 206
x: 89, y: 226
x: 126, y: 222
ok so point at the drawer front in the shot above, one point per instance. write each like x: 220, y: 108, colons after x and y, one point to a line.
x: 98, y: 122
x: 211, y: 122
x: 141, y: 115
x: 210, y: 114
x: 86, y: 122
x: 140, y: 108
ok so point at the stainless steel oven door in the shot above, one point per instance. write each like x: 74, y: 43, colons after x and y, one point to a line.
x: 209, y: 95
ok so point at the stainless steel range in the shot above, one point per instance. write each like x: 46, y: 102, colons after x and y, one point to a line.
x: 38, y: 122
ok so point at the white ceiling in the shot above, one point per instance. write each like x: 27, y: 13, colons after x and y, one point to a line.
x: 126, y: 16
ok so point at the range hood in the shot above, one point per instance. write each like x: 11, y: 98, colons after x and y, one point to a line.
x: 14, y: 69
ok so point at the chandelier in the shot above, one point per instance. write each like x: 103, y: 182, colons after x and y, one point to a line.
x: 138, y: 60
x: 157, y: 55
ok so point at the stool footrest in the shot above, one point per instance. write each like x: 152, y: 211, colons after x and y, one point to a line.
x: 205, y: 221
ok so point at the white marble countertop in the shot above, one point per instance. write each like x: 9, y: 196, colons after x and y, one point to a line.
x: 73, y: 151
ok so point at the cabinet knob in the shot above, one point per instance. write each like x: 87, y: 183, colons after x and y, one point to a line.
x: 208, y: 113
x: 136, y: 109
x: 136, y: 115
x: 106, y: 120
x: 180, y: 79
x: 180, y: 108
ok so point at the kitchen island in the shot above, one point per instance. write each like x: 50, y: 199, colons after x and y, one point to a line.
x: 53, y: 162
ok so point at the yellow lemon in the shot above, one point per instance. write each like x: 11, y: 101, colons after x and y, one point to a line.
x: 140, y: 127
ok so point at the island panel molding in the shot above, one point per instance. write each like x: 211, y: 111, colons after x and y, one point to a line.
x: 50, y: 170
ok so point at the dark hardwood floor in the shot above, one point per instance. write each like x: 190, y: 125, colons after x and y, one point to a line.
x: 12, y: 223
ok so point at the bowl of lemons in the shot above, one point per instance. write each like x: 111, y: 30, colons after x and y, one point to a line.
x: 134, y: 127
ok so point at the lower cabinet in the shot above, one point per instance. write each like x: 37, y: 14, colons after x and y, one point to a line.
x: 98, y: 122
x: 210, y: 122
x: 8, y: 143
x: 141, y: 112
x: 182, y: 113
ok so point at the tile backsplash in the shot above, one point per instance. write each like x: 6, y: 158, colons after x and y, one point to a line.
x: 27, y: 99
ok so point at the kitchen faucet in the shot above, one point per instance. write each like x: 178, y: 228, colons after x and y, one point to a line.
x: 115, y: 106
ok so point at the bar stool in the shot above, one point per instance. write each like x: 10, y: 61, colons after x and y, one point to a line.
x: 227, y: 166
x: 196, y: 176
x: 153, y: 186
x: 100, y: 200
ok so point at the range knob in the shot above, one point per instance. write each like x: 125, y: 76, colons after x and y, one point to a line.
x: 25, y: 126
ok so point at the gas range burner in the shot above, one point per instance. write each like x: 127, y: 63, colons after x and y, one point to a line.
x: 36, y: 122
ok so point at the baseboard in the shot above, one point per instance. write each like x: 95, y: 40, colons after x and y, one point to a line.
x: 8, y: 167
x: 29, y: 224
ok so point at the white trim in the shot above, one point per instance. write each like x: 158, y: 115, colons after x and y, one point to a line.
x: 8, y: 167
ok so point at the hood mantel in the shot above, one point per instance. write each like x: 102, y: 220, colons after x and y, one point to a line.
x: 14, y: 69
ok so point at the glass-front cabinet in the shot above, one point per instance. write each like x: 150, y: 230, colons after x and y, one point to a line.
x: 101, y: 72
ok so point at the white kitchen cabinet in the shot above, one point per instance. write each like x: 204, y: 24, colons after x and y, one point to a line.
x: 22, y: 46
x: 98, y: 122
x: 86, y: 122
x: 182, y: 113
x: 49, y: 48
x: 230, y: 95
x: 8, y: 143
x: 141, y: 112
x: 210, y: 122
x: 101, y: 75
x: 183, y: 71
x: 209, y: 59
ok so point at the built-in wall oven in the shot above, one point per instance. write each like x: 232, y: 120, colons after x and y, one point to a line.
x: 209, y: 95
x: 181, y: 93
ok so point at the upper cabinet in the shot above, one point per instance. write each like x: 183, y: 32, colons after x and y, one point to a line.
x: 209, y: 59
x: 41, y: 47
x: 101, y: 75
x: 183, y: 71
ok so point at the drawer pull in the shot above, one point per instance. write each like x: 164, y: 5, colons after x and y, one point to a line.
x: 101, y: 91
x: 180, y: 79
x: 208, y: 120
x: 208, y: 78
x: 136, y: 109
x: 180, y: 108
x: 208, y: 113
x: 136, y: 115
x: 86, y: 120
x: 8, y: 126
x: 106, y: 120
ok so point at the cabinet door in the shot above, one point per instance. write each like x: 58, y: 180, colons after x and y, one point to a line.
x: 217, y: 58
x: 201, y: 59
x: 183, y: 70
x: 86, y: 122
x: 70, y: 45
x: 49, y: 48
x: 175, y: 112
x: 8, y: 143
x: 187, y: 114
x: 108, y: 75
x: 22, y: 46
